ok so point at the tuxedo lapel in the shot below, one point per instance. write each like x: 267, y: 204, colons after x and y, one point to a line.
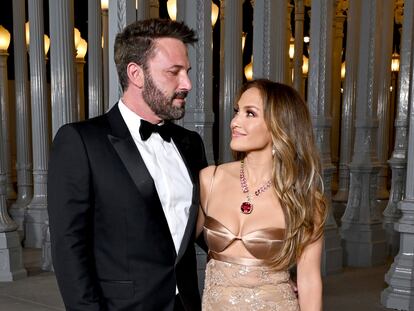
x: 128, y: 152
x: 191, y: 223
x: 136, y: 168
x: 183, y: 145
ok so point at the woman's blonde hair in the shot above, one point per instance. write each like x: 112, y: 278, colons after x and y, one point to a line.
x: 296, y: 167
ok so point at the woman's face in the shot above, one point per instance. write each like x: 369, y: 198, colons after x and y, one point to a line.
x: 249, y: 131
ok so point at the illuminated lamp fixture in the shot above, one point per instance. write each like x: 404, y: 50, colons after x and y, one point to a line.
x: 243, y: 40
x: 104, y: 5
x: 305, y: 65
x: 47, y: 43
x: 77, y: 37
x: 395, y: 62
x: 172, y: 11
x: 4, y: 39
x: 343, y: 71
x: 292, y: 48
x: 27, y: 33
x: 81, y: 49
x: 248, y: 70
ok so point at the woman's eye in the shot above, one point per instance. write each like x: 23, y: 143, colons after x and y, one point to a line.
x: 250, y: 114
x: 235, y: 111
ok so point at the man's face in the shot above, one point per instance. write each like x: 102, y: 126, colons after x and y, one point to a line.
x: 166, y: 82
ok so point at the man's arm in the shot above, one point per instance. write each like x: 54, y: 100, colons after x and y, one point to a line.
x: 71, y: 221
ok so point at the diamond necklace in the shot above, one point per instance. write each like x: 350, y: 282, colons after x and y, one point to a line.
x: 247, y: 206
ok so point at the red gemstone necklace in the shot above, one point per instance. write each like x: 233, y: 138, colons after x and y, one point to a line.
x: 247, y: 206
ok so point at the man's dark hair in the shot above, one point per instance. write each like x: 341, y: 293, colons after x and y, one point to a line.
x: 137, y: 42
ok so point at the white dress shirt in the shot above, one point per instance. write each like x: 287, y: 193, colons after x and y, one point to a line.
x: 170, y: 175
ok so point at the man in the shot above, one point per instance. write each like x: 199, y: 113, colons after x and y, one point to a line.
x: 123, y: 187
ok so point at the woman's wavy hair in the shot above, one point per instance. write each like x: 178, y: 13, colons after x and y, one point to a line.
x: 296, y: 167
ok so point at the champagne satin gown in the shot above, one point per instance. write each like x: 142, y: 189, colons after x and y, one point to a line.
x: 237, y: 283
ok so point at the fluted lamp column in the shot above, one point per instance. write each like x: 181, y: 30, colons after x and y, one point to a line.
x: 11, y: 267
x: 339, y: 19
x: 350, y: 66
x: 398, y: 160
x: 230, y: 68
x: 4, y: 98
x: 23, y: 130
x: 95, y: 59
x: 271, y: 40
x: 363, y: 237
x: 80, y: 91
x: 36, y: 215
x: 397, y: 165
x: 400, y: 277
x: 143, y: 10
x: 298, y: 60
x: 383, y: 89
x: 200, y: 15
x: 319, y: 89
x: 120, y: 14
x: 105, y: 58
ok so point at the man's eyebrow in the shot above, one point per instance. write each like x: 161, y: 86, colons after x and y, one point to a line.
x: 179, y: 67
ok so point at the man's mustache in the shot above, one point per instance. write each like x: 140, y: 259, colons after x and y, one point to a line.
x: 180, y: 95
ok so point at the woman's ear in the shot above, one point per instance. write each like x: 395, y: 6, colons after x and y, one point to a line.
x: 135, y: 74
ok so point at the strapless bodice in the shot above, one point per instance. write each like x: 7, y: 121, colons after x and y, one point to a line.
x: 263, y: 244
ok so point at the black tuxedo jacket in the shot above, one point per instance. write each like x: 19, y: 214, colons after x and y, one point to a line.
x: 111, y: 245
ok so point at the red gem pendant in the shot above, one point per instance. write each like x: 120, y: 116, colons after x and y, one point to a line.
x: 246, y: 207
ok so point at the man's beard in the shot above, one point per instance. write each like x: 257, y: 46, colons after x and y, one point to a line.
x: 161, y: 104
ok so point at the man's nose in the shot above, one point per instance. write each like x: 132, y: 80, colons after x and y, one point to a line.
x: 185, y: 82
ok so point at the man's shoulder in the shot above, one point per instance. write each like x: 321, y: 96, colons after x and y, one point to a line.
x: 92, y: 126
x: 85, y: 124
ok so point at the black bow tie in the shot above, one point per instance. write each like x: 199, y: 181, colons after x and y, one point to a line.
x: 146, y: 129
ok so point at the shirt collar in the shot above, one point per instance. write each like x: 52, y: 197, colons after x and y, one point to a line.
x: 132, y: 120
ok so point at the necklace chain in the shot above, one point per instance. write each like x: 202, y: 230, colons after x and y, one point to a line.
x: 245, y: 187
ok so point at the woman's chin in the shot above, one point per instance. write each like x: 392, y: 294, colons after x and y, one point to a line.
x: 236, y: 148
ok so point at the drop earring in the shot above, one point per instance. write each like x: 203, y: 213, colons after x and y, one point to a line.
x: 273, y: 150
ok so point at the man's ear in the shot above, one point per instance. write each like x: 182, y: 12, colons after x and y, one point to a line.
x: 135, y: 74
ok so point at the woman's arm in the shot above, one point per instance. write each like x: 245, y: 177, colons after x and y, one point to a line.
x: 205, y: 178
x: 309, y: 277
x: 200, y: 221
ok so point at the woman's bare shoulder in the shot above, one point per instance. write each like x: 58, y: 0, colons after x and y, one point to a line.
x: 229, y: 168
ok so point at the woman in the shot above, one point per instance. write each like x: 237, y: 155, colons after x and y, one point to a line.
x: 265, y: 212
